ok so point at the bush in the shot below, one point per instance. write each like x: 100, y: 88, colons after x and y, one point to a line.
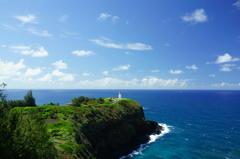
x: 24, y: 137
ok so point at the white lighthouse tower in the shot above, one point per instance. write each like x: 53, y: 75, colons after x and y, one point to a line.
x: 120, y: 95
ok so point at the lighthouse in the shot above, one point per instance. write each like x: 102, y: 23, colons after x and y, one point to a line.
x: 120, y: 95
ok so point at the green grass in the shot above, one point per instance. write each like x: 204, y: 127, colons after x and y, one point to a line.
x: 63, y: 132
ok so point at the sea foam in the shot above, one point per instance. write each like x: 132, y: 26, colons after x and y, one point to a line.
x: 153, y: 138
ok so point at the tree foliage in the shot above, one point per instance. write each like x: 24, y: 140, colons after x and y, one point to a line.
x: 24, y: 137
x: 80, y: 100
x: 2, y: 95
x: 29, y: 99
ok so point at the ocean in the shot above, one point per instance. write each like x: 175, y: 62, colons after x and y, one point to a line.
x: 199, y: 124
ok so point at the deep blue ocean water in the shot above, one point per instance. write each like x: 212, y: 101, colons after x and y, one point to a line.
x: 203, y: 124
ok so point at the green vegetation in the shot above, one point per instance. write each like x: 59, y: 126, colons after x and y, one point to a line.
x: 24, y: 137
x: 85, y: 130
x: 28, y: 100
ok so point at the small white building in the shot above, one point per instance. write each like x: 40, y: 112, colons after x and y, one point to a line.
x: 120, y: 95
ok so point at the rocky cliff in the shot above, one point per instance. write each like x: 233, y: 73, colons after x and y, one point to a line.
x: 104, y: 131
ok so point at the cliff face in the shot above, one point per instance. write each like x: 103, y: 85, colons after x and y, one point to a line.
x: 122, y: 131
x: 98, y: 131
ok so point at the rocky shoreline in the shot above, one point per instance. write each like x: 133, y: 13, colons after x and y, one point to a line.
x: 137, y: 141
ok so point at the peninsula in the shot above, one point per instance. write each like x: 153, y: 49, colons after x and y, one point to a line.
x: 107, y: 129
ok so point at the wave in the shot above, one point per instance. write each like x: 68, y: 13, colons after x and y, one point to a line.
x: 153, y: 138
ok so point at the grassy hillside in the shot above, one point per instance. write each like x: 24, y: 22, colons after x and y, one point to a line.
x: 94, y: 130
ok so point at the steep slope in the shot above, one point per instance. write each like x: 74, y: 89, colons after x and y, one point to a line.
x: 105, y: 131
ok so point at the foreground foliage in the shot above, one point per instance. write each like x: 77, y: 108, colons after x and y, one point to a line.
x: 24, y: 137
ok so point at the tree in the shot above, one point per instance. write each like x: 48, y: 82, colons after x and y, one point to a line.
x: 24, y: 137
x: 3, y: 97
x: 29, y: 99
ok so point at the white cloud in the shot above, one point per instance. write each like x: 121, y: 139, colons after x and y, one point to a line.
x: 115, y: 18
x: 212, y: 75
x: 223, y: 84
x: 135, y: 83
x: 63, y: 18
x: 60, y: 65
x: 3, y: 46
x: 26, y: 50
x: 194, y: 67
x: 226, y: 67
x: 155, y: 71
x: 237, y: 4
x: 124, y: 67
x: 26, y: 19
x: 128, y: 53
x: 87, y: 74
x: 9, y: 68
x: 3, y: 78
x: 104, y: 16
x: 197, y: 16
x: 64, y: 76
x: 67, y: 77
x: 226, y: 58
x: 208, y: 63
x: 176, y: 71
x: 167, y: 44
x: 43, y: 33
x: 131, y: 46
x: 9, y: 27
x: 20, y: 47
x: 83, y: 53
x: 105, y: 72
x: 57, y: 73
x: 33, y: 72
x: 40, y: 53
x: 45, y: 78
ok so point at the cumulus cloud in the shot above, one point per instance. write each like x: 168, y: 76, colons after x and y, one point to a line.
x: 124, y: 67
x: 43, y: 33
x: 237, y: 4
x: 212, y: 75
x: 60, y: 65
x: 83, y: 53
x: 155, y: 71
x: 26, y: 19
x: 131, y: 46
x: 67, y: 77
x: 45, y: 78
x: 10, y: 68
x: 176, y: 71
x: 26, y: 50
x: 105, y: 72
x: 194, y: 67
x: 226, y: 58
x: 103, y: 16
x: 226, y: 67
x: 64, y: 76
x: 199, y: 15
x: 63, y: 18
x: 57, y: 73
x: 33, y: 72
x: 135, y: 83
x: 87, y: 74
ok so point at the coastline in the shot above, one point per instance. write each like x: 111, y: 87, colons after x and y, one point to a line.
x: 160, y: 131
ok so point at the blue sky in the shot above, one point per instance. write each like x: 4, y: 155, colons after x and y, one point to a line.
x: 107, y: 44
